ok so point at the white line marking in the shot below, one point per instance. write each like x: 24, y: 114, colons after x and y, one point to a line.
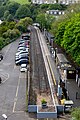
x: 6, y: 78
x: 18, y: 111
x: 15, y: 99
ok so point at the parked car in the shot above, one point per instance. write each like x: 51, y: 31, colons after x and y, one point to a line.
x: 21, y: 42
x: 21, y: 52
x: 22, y: 61
x: 21, y: 57
x: 23, y: 68
x: 21, y: 45
x: 24, y: 54
x: 26, y: 36
x: 1, y: 56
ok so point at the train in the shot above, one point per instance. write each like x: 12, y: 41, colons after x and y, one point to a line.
x: 62, y: 62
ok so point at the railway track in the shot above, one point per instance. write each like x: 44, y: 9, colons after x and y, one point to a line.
x: 39, y: 76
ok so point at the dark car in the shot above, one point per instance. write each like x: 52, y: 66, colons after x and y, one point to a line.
x: 22, y: 61
x: 1, y: 56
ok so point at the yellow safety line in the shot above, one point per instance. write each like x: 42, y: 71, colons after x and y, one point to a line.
x: 51, y: 70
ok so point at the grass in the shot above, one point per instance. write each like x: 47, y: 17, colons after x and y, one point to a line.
x: 21, y: 1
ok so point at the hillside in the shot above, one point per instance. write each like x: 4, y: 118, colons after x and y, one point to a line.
x: 21, y: 1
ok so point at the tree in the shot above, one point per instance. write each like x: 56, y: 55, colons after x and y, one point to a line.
x: 6, y: 14
x: 12, y: 7
x: 55, y: 6
x: 23, y: 24
x: 10, y: 18
x: 44, y: 6
x: 22, y: 12
x: 11, y: 34
x: 2, y: 9
x: 41, y: 20
x: 49, y: 20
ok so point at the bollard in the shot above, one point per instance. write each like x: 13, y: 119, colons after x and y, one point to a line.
x: 0, y: 80
x: 76, y: 94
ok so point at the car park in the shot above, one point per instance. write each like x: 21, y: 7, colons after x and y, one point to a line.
x: 23, y: 68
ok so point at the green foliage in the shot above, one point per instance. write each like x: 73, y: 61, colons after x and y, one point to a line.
x: 10, y: 18
x: 55, y: 6
x: 11, y: 25
x: 12, y: 7
x: 43, y: 101
x: 5, y: 26
x: 76, y: 114
x: 60, y: 33
x: 2, y: 9
x: 23, y: 24
x: 6, y: 13
x: 68, y: 36
x: 8, y: 33
x: 45, y: 20
x: 41, y: 20
x: 49, y: 20
x: 11, y: 34
x: 1, y: 42
x: 22, y: 12
x: 44, y: 6
x: 3, y: 2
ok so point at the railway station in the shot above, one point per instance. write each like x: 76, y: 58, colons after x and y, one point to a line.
x: 44, y: 81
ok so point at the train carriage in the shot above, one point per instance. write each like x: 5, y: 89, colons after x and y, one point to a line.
x: 65, y: 66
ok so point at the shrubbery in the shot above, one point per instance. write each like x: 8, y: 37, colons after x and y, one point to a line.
x: 10, y: 31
